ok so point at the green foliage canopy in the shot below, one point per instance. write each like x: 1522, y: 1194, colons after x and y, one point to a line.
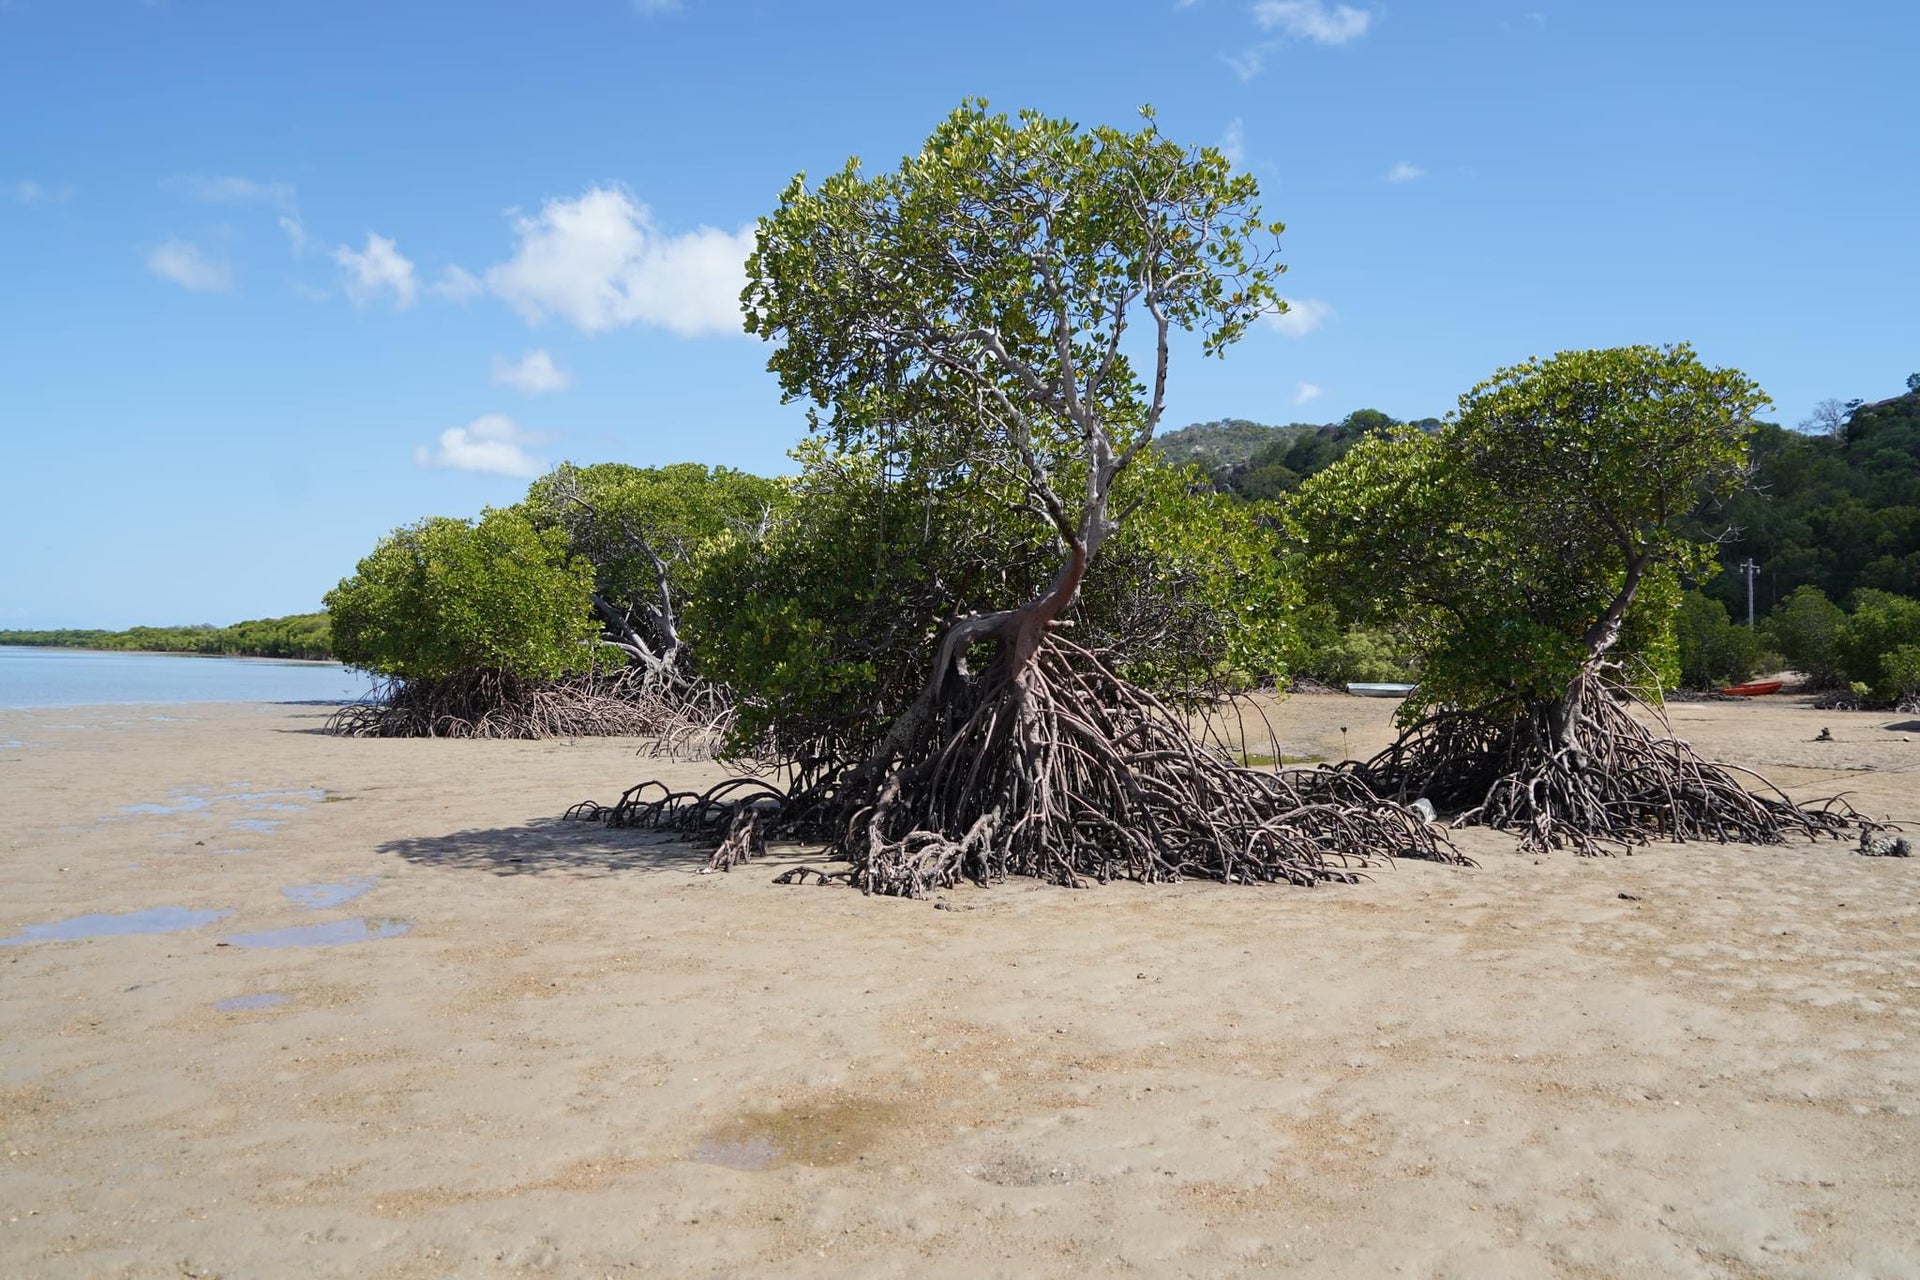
x: 1540, y: 528
x: 826, y: 622
x: 641, y: 528
x: 1806, y: 629
x: 1870, y: 645
x: 1713, y: 650
x: 970, y: 310
x: 445, y: 596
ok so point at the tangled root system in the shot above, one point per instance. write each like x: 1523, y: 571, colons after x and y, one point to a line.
x: 1064, y: 772
x: 685, y: 718
x: 1619, y: 783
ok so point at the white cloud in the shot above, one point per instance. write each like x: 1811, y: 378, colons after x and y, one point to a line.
x: 1252, y: 62
x: 492, y: 443
x: 1405, y: 171
x: 533, y: 373
x: 189, y: 267
x: 1302, y: 317
x: 1312, y: 20
x: 1307, y: 391
x: 27, y: 191
x: 600, y: 262
x: 457, y: 284
x: 378, y: 269
x: 297, y: 237
x: 1233, y: 143
x: 232, y: 190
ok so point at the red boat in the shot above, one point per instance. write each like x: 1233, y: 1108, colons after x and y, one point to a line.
x: 1757, y: 688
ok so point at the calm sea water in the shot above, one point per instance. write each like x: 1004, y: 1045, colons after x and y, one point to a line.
x: 86, y: 677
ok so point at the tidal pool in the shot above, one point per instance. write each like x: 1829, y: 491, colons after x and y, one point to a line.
x: 333, y: 934
x: 256, y: 1000
x: 105, y: 925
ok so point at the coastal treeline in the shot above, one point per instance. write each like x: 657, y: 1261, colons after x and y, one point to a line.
x: 299, y: 635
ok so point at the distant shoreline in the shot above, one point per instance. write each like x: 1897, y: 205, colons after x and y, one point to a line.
x: 177, y: 653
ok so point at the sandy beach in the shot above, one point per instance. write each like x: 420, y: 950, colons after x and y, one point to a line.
x: 406, y: 1023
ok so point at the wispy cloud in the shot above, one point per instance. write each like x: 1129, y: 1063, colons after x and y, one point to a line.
x: 1405, y: 171
x: 188, y: 266
x: 1289, y: 20
x: 1312, y: 20
x: 216, y: 189
x: 653, y: 8
x: 1306, y: 391
x: 27, y: 191
x: 1302, y: 317
x: 377, y: 270
x: 236, y: 190
x: 1233, y: 143
x: 600, y: 262
x: 534, y: 373
x: 492, y: 443
x: 297, y: 238
x: 457, y: 284
x: 1250, y: 62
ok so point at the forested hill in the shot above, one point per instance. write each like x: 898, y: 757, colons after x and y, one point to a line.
x: 1838, y: 511
x: 1253, y: 461
x: 1225, y: 443
x: 300, y: 635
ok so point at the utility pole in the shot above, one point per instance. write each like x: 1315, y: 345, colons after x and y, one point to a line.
x: 1750, y: 569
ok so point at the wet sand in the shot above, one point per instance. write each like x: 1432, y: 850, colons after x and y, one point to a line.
x: 405, y: 1023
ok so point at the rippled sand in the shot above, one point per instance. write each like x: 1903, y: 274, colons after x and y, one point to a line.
x: 478, y: 1042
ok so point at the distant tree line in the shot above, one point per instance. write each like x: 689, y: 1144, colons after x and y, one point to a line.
x: 300, y: 635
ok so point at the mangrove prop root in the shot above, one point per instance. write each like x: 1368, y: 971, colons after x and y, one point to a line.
x: 798, y: 875
x: 1618, y: 783
x: 745, y: 840
x: 677, y: 717
x: 1066, y: 773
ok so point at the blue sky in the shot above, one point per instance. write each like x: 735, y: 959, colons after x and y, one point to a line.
x: 278, y: 278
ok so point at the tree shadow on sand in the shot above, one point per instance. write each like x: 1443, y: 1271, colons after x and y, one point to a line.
x: 550, y: 846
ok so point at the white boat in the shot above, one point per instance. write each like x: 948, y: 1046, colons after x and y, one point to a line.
x: 1379, y: 690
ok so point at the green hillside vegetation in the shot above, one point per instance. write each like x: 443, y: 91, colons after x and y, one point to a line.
x: 300, y: 635
x: 1258, y: 463
x: 1226, y: 443
x: 1838, y: 511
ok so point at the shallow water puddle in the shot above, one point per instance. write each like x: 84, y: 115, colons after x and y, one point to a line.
x: 256, y: 1000
x: 257, y: 824
x: 282, y: 799
x: 197, y: 798
x: 812, y: 1134
x: 104, y: 925
x: 334, y: 934
x: 315, y: 897
x: 183, y: 801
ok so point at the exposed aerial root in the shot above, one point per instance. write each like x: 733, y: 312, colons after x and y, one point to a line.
x: 681, y: 718
x: 1068, y: 774
x: 1619, y: 784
